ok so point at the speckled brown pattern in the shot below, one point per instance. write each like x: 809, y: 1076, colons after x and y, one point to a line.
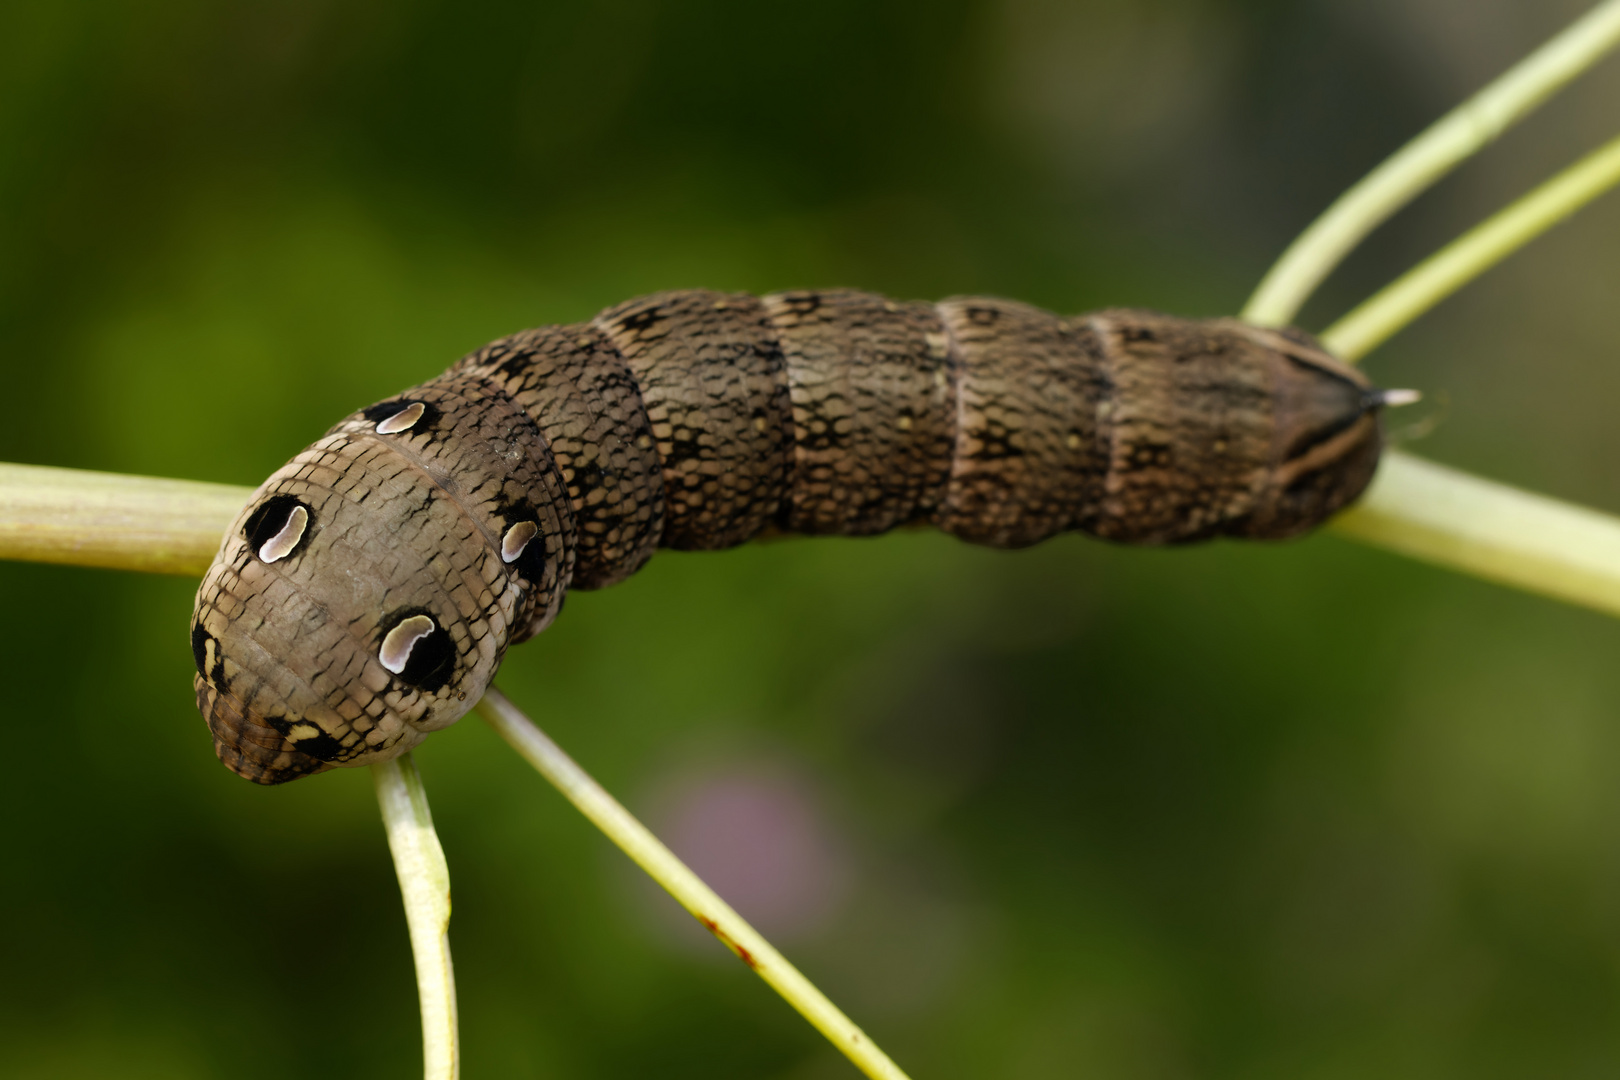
x: 1032, y: 392
x: 576, y: 385
x: 873, y: 409
x: 559, y: 458
x: 710, y: 369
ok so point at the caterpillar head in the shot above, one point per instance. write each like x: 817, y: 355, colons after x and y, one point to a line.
x: 366, y: 594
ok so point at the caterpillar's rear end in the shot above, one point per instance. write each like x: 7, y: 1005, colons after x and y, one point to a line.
x: 368, y: 591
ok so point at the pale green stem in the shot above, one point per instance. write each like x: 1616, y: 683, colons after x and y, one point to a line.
x: 1500, y: 533
x: 1424, y: 160
x: 424, y: 881
x: 1448, y: 270
x: 108, y: 519
x: 660, y: 863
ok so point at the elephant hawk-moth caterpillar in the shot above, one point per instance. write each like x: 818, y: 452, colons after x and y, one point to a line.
x: 366, y: 594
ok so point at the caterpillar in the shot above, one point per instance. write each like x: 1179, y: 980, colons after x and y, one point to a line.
x: 367, y: 593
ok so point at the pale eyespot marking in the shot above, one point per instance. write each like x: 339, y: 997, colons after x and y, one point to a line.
x: 1074, y: 441
x: 396, y: 647
x: 516, y: 539
x: 905, y: 423
x: 402, y: 420
x: 300, y: 732
x: 281, y: 544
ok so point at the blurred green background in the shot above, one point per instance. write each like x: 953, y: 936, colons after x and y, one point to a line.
x: 1305, y: 810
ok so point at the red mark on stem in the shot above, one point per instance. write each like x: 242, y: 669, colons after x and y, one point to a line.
x: 728, y: 941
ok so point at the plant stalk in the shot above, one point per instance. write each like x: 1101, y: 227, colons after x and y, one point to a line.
x: 424, y: 882
x: 1464, y: 259
x: 634, y: 839
x: 1500, y: 533
x: 1420, y: 163
x: 83, y: 518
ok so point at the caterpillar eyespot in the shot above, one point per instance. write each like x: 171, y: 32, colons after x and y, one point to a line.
x: 396, y: 648
x: 562, y: 457
x: 276, y: 527
x: 417, y: 649
x: 516, y: 539
x: 398, y: 415
x: 401, y: 420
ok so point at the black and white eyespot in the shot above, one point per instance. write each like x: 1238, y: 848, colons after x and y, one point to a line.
x: 522, y: 546
x: 417, y: 649
x: 394, y: 417
x: 517, y: 539
x: 402, y: 420
x: 277, y: 528
x: 400, y: 642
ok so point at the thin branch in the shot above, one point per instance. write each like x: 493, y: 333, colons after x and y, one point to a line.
x: 1461, y: 261
x: 660, y: 863
x: 424, y: 882
x: 1500, y: 533
x: 1424, y: 160
x: 108, y: 519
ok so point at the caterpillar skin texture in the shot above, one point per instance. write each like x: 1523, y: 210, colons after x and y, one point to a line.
x: 367, y: 593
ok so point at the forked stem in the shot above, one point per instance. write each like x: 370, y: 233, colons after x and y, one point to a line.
x: 634, y: 839
x: 424, y: 882
x: 1440, y: 275
x: 1420, y: 163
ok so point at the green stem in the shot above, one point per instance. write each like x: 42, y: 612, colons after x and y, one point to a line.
x: 1500, y: 533
x: 1424, y: 160
x: 1448, y: 270
x: 108, y: 519
x: 633, y: 838
x: 424, y: 882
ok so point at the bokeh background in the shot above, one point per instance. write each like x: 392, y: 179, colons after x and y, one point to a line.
x: 1303, y: 810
